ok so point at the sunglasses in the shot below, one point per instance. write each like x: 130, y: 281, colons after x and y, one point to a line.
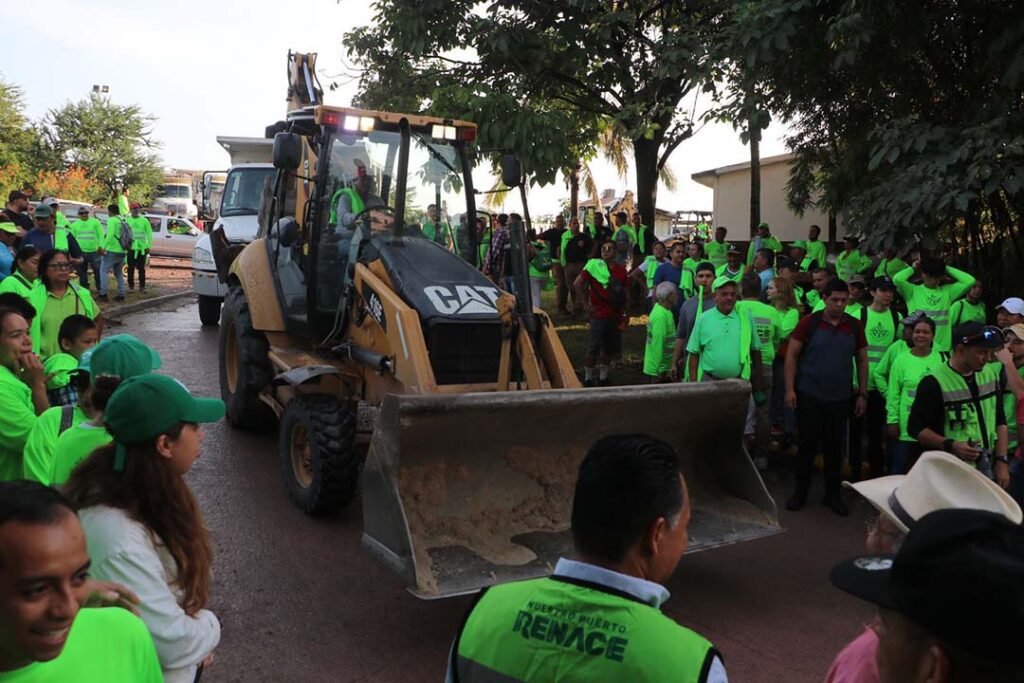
x: 985, y: 335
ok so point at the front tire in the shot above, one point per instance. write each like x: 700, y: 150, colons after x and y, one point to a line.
x: 319, y: 462
x: 244, y: 365
x: 209, y: 310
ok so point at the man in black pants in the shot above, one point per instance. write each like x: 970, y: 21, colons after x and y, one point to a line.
x: 819, y: 385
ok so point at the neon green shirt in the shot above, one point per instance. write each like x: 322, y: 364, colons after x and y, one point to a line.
x: 889, y: 267
x: 42, y: 443
x: 74, y: 446
x: 880, y: 373
x: 848, y: 263
x: 963, y: 311
x: 881, y: 332
x: 89, y: 233
x: 934, y: 302
x: 906, y: 374
x: 716, y: 338
x: 17, y: 284
x: 717, y: 252
x: 816, y: 251
x: 735, y: 276
x: 52, y: 310
x: 16, y: 419
x: 767, y: 324
x: 788, y: 322
x: 142, y: 233
x: 661, y: 338
x: 769, y: 242
x: 105, y: 645
x: 113, y: 241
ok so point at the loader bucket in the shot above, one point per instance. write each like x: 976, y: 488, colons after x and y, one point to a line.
x: 464, y: 491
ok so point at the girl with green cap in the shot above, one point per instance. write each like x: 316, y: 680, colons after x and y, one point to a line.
x: 142, y: 523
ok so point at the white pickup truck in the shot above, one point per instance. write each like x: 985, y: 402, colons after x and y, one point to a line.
x: 250, y: 166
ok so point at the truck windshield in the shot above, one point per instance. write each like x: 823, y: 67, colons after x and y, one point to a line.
x: 177, y: 191
x: 367, y: 166
x: 243, y: 190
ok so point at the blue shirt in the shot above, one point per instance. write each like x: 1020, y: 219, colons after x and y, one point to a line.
x: 44, y: 242
x: 666, y: 272
x: 6, y: 261
x: 766, y: 276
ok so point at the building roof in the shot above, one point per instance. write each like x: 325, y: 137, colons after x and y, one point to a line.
x: 706, y: 178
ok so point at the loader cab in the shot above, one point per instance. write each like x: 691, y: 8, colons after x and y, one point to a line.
x: 360, y: 183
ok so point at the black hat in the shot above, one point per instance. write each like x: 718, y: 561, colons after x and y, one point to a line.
x: 883, y: 282
x: 975, y: 333
x: 15, y: 194
x: 959, y: 576
x: 786, y: 262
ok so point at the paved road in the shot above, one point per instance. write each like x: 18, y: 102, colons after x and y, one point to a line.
x: 300, y: 600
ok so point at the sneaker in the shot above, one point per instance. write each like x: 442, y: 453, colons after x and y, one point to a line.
x: 119, y: 297
x: 797, y: 501
x: 102, y: 297
x: 835, y: 503
x: 588, y: 383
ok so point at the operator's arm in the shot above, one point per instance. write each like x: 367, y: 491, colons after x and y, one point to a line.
x: 1014, y: 382
x: 901, y: 280
x: 962, y: 282
x: 693, y: 347
x: 346, y: 218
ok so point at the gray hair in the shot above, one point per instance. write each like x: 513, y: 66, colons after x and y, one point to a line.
x: 663, y: 291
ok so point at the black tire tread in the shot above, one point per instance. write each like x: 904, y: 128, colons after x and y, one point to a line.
x: 331, y: 429
x: 244, y: 407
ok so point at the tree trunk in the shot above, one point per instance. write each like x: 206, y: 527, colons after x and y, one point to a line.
x: 645, y: 155
x: 574, y: 191
x: 754, y: 129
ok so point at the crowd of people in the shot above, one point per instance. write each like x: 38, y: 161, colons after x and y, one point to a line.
x: 858, y: 357
x: 94, y: 511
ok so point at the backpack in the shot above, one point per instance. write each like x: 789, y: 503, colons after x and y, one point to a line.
x: 816, y: 322
x: 124, y: 237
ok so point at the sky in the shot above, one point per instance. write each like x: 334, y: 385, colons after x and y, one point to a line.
x: 217, y: 67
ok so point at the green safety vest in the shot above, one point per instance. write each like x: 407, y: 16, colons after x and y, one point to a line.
x: 598, y: 270
x: 652, y: 267
x: 60, y: 239
x: 549, y: 630
x: 628, y: 229
x: 89, y: 234
x: 847, y: 264
x: 140, y: 236
x: 542, y: 251
x: 354, y: 201
x: 806, y: 263
x: 687, y: 284
x: 962, y: 422
x: 880, y: 329
x: 724, y: 270
x: 641, y: 237
x: 566, y: 237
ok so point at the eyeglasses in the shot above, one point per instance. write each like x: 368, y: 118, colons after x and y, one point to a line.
x: 59, y: 266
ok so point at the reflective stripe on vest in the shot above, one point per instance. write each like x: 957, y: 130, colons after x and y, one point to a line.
x: 552, y: 629
x: 962, y: 422
x: 355, y: 202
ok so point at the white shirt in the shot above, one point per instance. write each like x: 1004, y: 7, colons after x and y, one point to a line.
x: 125, y: 551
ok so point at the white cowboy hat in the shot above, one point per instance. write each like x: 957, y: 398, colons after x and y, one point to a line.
x: 938, y: 481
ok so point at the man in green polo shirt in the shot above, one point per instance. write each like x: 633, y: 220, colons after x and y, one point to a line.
x: 717, y: 248
x: 49, y: 633
x: 733, y: 267
x: 598, y: 617
x: 22, y: 390
x: 89, y: 232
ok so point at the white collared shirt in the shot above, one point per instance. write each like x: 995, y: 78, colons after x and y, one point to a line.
x: 647, y: 592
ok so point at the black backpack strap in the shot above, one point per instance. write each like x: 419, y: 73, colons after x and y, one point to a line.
x: 67, y: 416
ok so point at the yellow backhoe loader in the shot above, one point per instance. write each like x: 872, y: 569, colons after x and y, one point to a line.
x: 361, y: 341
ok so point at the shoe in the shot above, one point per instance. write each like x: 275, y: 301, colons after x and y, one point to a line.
x: 797, y: 501
x: 836, y: 504
x: 606, y: 382
x: 588, y: 382
x: 102, y: 297
x: 119, y: 297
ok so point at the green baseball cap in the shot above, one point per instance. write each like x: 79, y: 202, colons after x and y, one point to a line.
x: 121, y: 355
x: 799, y: 244
x: 59, y: 368
x: 146, y: 406
x: 763, y: 225
x: 720, y: 282
x: 7, y: 226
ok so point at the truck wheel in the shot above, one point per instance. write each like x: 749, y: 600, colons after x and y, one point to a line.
x: 244, y: 367
x: 209, y: 309
x: 319, y: 461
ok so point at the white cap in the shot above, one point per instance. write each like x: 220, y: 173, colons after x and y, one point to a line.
x: 1013, y: 305
x: 938, y: 481
x: 49, y: 201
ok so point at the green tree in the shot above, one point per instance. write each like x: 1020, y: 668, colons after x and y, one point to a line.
x: 907, y: 117
x: 18, y: 140
x: 113, y: 143
x: 546, y: 78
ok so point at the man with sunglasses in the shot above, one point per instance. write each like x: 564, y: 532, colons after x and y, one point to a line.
x: 958, y: 407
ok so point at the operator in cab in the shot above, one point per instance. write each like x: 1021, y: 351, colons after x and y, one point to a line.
x: 349, y: 202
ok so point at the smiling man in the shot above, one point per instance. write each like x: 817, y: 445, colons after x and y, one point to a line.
x: 45, y: 634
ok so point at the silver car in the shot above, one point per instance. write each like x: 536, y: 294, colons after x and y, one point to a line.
x: 173, y: 236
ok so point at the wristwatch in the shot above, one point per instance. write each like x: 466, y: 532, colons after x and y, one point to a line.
x: 947, y: 445
x: 1003, y: 459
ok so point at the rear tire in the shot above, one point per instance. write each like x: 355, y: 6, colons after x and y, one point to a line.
x: 244, y: 366
x: 209, y: 310
x: 319, y: 461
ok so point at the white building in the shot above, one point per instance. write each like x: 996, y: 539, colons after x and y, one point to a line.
x: 731, y: 185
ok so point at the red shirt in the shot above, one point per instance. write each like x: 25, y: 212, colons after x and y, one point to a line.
x: 600, y: 299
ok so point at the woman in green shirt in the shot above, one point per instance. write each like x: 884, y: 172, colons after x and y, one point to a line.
x: 55, y: 297
x: 25, y: 272
x: 907, y: 371
x: 782, y: 296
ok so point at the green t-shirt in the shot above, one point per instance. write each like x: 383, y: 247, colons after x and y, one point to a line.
x: 51, y: 311
x: 963, y: 311
x: 788, y: 322
x: 881, y: 332
x: 74, y: 446
x: 89, y: 234
x: 716, y: 252
x: 734, y: 276
x: 880, y: 373
x: 113, y: 241
x: 716, y: 338
x: 661, y: 339
x: 934, y: 302
x: 105, y: 645
x: 905, y: 375
x: 816, y: 251
x: 17, y: 416
x: 889, y: 267
x: 42, y: 442
x: 850, y: 263
x: 767, y: 324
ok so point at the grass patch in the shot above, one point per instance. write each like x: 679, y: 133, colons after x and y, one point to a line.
x: 573, y: 333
